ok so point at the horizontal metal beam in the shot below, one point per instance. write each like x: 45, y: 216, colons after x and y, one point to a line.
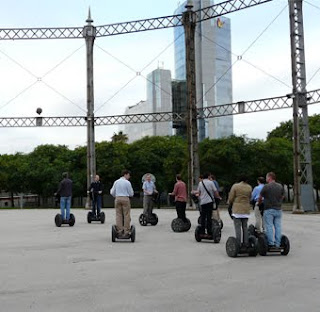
x: 261, y: 105
x: 226, y: 7
x: 127, y: 27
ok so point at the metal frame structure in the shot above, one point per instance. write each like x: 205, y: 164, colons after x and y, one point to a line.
x: 302, y: 154
x: 303, y: 180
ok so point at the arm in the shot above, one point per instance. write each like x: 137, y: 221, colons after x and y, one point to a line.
x: 232, y: 195
x: 130, y: 190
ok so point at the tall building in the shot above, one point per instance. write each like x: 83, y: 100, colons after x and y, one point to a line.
x: 213, y: 68
x: 158, y: 100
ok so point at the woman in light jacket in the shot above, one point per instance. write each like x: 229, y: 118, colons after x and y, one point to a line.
x: 239, y: 198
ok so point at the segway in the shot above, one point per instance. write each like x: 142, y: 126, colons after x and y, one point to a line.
x: 234, y: 249
x: 178, y: 225
x: 101, y: 217
x: 216, y: 233
x: 264, y: 249
x: 115, y: 235
x: 144, y: 220
x: 59, y: 221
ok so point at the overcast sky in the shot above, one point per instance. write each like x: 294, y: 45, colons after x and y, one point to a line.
x: 51, y: 74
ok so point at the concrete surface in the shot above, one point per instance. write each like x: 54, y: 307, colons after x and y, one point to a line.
x: 45, y: 268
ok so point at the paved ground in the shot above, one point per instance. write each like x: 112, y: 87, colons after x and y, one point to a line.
x: 45, y: 268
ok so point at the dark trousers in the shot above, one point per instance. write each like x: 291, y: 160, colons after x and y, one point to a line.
x: 96, y: 204
x: 181, y: 210
x: 241, y: 223
x: 206, y: 222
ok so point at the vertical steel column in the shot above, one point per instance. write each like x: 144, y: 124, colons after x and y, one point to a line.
x: 89, y: 33
x: 303, y: 181
x: 192, y: 129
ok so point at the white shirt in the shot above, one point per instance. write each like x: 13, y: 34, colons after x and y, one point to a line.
x: 122, y: 187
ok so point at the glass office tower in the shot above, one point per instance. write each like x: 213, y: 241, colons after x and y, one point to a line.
x: 213, y: 68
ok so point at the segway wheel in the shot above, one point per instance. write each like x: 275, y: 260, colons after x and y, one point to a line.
x: 285, y: 244
x: 232, y: 247
x: 143, y: 219
x: 251, y: 230
x: 262, y: 245
x: 154, y: 219
x: 133, y: 233
x: 187, y: 225
x: 221, y: 224
x: 72, y: 220
x: 199, y: 220
x: 177, y: 225
x: 102, y: 217
x: 216, y: 231
x: 197, y: 234
x: 253, y: 246
x: 58, y: 220
x: 113, y: 233
x: 89, y: 216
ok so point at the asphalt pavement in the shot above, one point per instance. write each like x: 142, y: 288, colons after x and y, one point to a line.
x: 45, y: 268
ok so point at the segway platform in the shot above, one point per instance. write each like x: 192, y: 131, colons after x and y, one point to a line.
x: 234, y: 249
x: 59, y: 221
x: 178, y: 225
x: 115, y: 235
x: 264, y: 249
x: 145, y: 220
x: 101, y: 217
x: 216, y: 233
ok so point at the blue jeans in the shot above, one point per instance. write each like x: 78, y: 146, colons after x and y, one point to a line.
x: 272, y: 219
x: 65, y: 203
x: 96, y: 204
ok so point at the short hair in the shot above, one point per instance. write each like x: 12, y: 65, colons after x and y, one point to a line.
x: 65, y: 175
x: 243, y: 178
x: 178, y: 177
x: 125, y: 171
x: 261, y: 180
x: 206, y: 175
x: 272, y: 175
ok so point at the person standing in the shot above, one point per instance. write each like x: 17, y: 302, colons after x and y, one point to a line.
x: 272, y: 195
x: 207, y: 191
x: 239, y: 198
x: 258, y: 208
x: 65, y: 193
x: 149, y: 188
x: 180, y: 197
x: 217, y: 199
x: 122, y: 191
x: 95, y: 190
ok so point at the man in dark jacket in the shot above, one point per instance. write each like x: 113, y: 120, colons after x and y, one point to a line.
x: 95, y: 190
x: 65, y: 193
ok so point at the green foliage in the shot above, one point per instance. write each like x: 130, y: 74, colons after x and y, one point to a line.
x: 40, y: 171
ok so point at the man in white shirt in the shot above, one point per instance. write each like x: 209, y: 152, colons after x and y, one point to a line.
x: 122, y: 191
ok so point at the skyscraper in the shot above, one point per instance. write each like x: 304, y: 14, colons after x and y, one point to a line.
x: 158, y: 100
x: 213, y: 68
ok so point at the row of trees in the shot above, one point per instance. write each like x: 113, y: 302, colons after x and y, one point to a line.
x: 39, y: 172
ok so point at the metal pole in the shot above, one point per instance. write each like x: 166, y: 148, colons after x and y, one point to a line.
x: 303, y: 180
x: 189, y: 23
x: 89, y: 33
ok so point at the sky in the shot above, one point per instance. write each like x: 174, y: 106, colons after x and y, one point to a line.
x: 51, y: 74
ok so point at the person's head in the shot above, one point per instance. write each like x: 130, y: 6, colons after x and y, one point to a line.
x: 96, y: 178
x: 206, y: 175
x: 178, y: 177
x: 200, y: 177
x: 243, y: 178
x: 126, y: 174
x: 261, y: 180
x: 270, y: 177
x: 213, y: 177
x: 65, y: 175
x: 148, y: 177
